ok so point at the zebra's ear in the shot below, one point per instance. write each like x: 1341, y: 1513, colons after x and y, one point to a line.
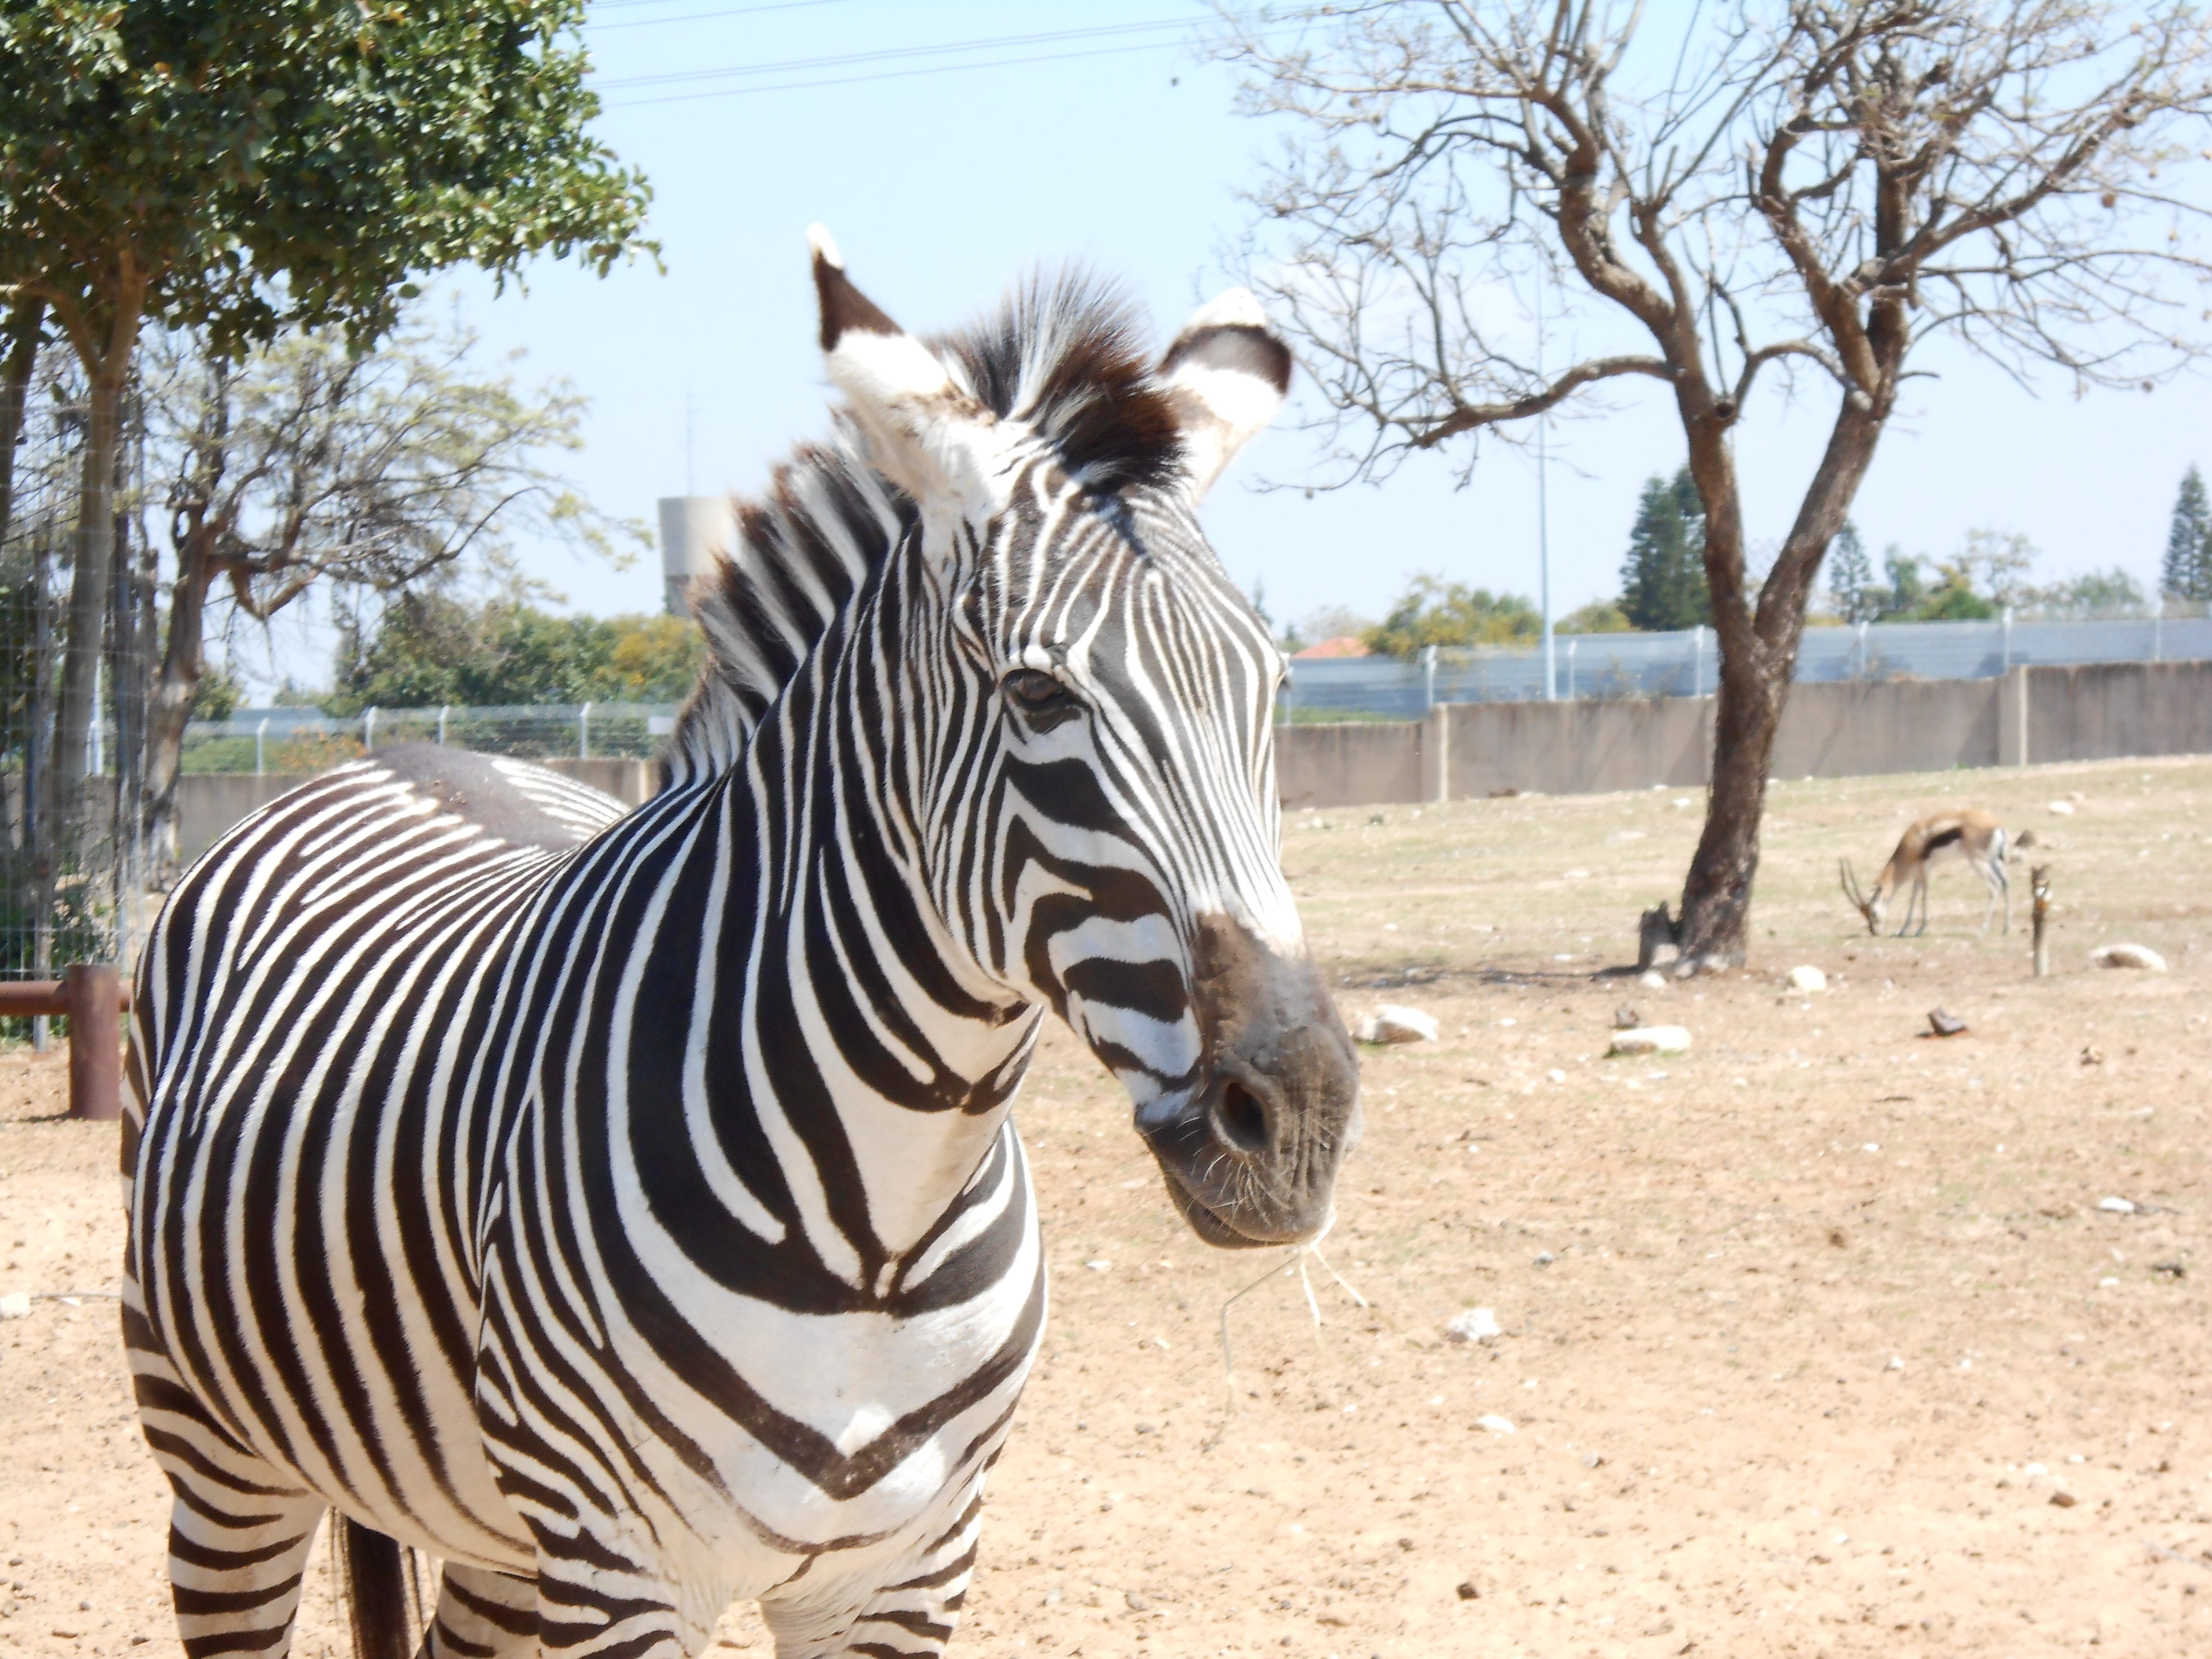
x: 927, y: 435
x: 1226, y: 375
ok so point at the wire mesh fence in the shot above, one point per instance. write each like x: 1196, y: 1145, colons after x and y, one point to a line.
x: 74, y: 659
x: 295, y: 740
x: 1684, y: 663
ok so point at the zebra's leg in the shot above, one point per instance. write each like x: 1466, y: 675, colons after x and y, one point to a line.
x: 239, y: 1539
x: 482, y: 1615
x: 912, y: 1616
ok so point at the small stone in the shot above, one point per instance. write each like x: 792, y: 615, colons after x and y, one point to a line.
x: 1475, y: 1325
x: 2116, y: 1206
x: 1943, y: 1024
x: 1626, y: 1019
x: 1806, y: 977
x: 2064, y: 808
x: 1652, y: 979
x: 2128, y: 956
x: 1099, y: 1265
x: 1896, y: 1363
x: 1593, y: 1460
x: 2065, y: 1500
x: 2176, y: 1268
x: 1052, y: 1596
x: 1495, y: 1424
x: 16, y: 1304
x: 1391, y: 1023
x: 1545, y: 1258
x: 1556, y: 1075
x: 1137, y: 1602
x: 1651, y: 1039
x: 2093, y: 1055
x: 1467, y: 1592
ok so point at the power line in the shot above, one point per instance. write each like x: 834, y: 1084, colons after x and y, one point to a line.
x: 893, y: 74
x: 697, y: 16
x: 844, y: 60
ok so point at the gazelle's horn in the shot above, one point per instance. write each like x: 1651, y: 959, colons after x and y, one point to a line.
x: 1851, y: 885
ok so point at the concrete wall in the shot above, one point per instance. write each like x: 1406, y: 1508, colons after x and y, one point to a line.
x: 208, y: 803
x: 2096, y: 712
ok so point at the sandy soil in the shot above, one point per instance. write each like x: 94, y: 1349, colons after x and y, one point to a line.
x: 1809, y: 1336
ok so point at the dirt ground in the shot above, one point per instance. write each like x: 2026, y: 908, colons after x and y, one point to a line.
x: 1817, y: 1340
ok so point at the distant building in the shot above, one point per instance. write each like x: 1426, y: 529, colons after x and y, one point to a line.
x: 1344, y: 645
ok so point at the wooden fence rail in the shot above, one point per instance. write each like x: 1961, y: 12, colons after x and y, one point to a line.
x: 95, y: 998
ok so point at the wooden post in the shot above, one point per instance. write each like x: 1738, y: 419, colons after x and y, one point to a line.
x: 2039, y: 881
x: 95, y: 995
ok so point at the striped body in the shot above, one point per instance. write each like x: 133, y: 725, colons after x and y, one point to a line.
x: 626, y: 1210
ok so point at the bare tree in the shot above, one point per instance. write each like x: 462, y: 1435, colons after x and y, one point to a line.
x: 307, y: 463
x: 1808, y: 187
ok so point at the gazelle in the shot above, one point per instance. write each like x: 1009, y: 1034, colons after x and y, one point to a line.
x: 1972, y: 835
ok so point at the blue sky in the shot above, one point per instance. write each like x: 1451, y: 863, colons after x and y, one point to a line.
x: 944, y: 188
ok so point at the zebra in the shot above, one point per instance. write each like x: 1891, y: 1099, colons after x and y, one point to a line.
x: 626, y: 1210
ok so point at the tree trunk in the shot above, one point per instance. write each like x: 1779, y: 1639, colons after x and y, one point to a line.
x: 26, y: 319
x: 169, y: 702
x: 88, y: 592
x: 1759, y: 658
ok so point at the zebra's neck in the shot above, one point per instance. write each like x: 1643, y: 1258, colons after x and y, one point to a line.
x: 878, y: 1059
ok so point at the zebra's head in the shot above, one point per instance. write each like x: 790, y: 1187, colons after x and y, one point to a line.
x: 1086, y: 700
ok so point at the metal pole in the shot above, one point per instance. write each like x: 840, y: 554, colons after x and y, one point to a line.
x: 584, y: 732
x: 1863, y: 647
x: 2158, y: 633
x: 1543, y: 515
x: 1697, y: 661
x: 368, y: 730
x: 1428, y: 677
x: 442, y: 726
x: 1571, y: 644
x: 260, y: 733
x: 2005, y: 650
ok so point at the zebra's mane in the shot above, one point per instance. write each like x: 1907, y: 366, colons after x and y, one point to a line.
x: 1064, y: 356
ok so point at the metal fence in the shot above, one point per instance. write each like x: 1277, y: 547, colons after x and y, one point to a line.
x: 73, y: 853
x: 263, y: 740
x: 1685, y: 664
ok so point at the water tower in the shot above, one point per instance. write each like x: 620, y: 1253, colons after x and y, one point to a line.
x: 693, y: 530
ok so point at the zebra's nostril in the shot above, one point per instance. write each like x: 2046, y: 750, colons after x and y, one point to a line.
x: 1241, y: 1119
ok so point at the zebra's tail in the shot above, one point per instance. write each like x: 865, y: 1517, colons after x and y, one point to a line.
x: 376, y: 1593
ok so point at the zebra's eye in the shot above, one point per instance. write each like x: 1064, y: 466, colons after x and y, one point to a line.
x: 1038, y: 696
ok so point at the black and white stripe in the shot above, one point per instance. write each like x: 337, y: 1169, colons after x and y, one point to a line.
x: 626, y: 1210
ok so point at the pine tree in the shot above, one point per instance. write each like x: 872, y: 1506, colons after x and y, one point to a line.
x: 1851, y: 585
x: 1663, y: 581
x: 2187, y: 574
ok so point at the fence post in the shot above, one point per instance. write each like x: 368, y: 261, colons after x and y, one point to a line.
x: 1571, y: 644
x: 260, y: 732
x: 368, y: 730
x: 2158, y: 633
x: 442, y: 726
x: 1428, y: 677
x: 584, y: 732
x: 1863, y: 647
x: 94, y: 994
x: 1697, y: 661
x: 2005, y: 650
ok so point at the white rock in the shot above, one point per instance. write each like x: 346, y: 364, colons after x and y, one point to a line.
x: 1652, y: 979
x: 1495, y: 1424
x: 1099, y: 1266
x: 1556, y: 1075
x: 15, y: 1305
x: 1806, y: 977
x: 1651, y: 1039
x: 2064, y: 809
x: 2116, y: 1206
x: 1391, y: 1023
x: 1475, y: 1325
x: 2128, y: 956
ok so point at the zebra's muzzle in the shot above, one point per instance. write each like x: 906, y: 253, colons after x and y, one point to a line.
x: 1250, y: 1155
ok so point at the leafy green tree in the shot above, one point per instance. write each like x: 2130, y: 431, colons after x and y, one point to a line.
x: 1662, y: 582
x: 431, y: 649
x: 231, y: 166
x: 2187, y: 571
x: 1434, y: 612
x: 1851, y: 586
x: 1954, y: 598
x: 1598, y: 616
x: 2110, y: 592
